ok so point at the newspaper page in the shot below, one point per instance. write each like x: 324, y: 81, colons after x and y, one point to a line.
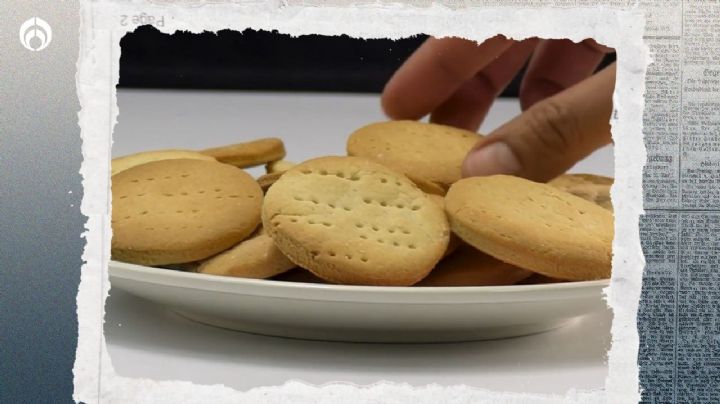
x: 677, y: 320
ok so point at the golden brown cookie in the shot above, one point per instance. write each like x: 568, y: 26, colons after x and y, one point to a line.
x: 123, y: 163
x: 470, y: 267
x: 176, y: 211
x: 279, y: 166
x: 430, y: 187
x: 429, y: 154
x: 265, y: 181
x: 593, y: 188
x: 454, y: 241
x: 256, y: 257
x: 533, y: 226
x: 353, y: 221
x: 249, y: 154
x: 274, y: 171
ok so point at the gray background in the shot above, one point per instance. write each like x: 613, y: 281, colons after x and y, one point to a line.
x: 40, y: 193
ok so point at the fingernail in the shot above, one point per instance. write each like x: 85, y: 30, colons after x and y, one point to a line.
x: 495, y: 158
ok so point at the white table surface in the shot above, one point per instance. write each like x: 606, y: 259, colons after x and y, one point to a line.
x: 145, y: 340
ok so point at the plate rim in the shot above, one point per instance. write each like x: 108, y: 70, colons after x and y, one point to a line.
x: 355, y: 293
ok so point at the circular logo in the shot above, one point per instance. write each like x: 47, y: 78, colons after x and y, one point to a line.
x: 35, y: 34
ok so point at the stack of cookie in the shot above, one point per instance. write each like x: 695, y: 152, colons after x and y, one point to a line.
x: 394, y: 212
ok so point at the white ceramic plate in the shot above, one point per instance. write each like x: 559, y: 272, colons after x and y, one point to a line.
x: 361, y: 313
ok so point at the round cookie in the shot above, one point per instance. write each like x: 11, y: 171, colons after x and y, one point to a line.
x: 432, y: 188
x: 121, y: 164
x: 256, y: 257
x: 249, y: 154
x: 593, y: 188
x: 279, y: 166
x: 533, y: 226
x: 266, y: 180
x: 570, y: 180
x: 427, y: 153
x: 349, y: 220
x: 177, y: 211
x: 469, y: 267
x: 275, y: 170
x: 454, y: 241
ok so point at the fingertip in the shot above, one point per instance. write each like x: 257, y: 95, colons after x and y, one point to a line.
x: 467, y: 169
x: 494, y: 158
x: 389, y: 102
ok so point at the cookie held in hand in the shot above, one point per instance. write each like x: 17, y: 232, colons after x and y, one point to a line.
x: 429, y: 154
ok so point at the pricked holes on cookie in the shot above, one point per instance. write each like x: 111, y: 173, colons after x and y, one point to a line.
x: 326, y: 224
x: 391, y: 230
x: 338, y: 174
x: 384, y: 204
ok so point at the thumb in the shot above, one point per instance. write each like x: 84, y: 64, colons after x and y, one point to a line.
x: 551, y: 136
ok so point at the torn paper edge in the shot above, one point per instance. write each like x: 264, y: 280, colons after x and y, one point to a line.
x: 98, y: 72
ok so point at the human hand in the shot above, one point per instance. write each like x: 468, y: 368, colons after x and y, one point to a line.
x: 566, y: 109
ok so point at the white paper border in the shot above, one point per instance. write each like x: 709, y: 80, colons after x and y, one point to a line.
x: 95, y: 379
